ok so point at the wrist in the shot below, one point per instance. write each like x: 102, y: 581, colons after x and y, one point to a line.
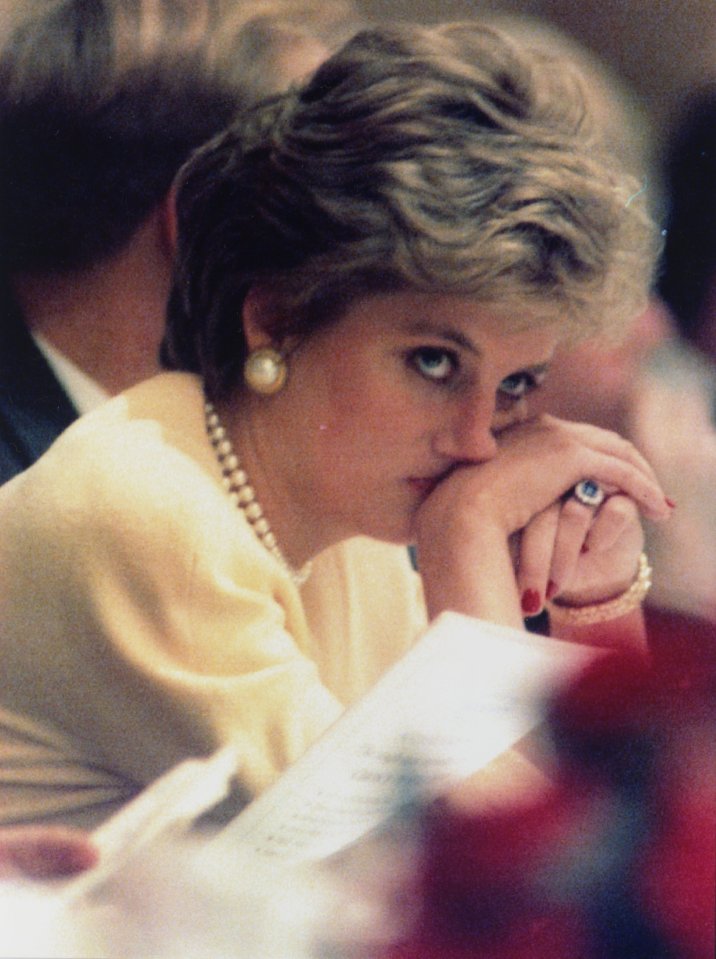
x: 476, y: 579
x: 602, y: 586
x: 563, y: 611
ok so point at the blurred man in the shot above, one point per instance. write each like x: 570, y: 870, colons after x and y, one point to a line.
x: 100, y: 104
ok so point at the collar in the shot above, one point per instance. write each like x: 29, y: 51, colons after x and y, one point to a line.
x: 86, y: 393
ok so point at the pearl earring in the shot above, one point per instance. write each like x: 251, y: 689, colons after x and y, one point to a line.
x: 265, y: 371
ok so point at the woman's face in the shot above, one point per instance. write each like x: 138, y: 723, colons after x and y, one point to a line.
x: 381, y: 406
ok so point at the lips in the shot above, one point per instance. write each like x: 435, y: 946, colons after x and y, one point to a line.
x: 423, y: 484
x: 426, y: 484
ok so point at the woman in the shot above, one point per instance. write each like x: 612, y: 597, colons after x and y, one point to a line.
x: 372, y: 275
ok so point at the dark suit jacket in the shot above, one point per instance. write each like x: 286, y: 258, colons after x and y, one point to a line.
x: 34, y: 408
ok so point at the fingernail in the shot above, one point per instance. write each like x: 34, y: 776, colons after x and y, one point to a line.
x: 551, y: 589
x: 531, y: 602
x: 584, y: 549
x: 670, y: 502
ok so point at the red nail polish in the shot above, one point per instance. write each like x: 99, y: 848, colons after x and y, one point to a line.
x: 531, y: 603
x: 670, y: 502
x: 551, y: 589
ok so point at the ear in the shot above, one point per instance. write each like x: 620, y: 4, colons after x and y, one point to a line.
x: 256, y: 315
x: 168, y: 215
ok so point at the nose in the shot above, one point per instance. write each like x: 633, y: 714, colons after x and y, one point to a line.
x: 469, y: 436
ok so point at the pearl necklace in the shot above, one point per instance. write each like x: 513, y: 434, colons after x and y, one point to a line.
x: 242, y: 493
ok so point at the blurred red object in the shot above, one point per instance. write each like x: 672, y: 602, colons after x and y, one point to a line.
x: 618, y: 861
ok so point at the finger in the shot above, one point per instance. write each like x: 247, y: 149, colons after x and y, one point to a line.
x: 575, y: 522
x: 620, y: 475
x: 536, y: 548
x: 613, y: 518
x: 564, y: 453
x: 606, y: 441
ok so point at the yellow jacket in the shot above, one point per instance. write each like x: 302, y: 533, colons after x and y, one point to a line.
x: 141, y: 621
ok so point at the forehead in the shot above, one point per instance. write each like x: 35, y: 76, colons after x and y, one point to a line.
x: 465, y: 321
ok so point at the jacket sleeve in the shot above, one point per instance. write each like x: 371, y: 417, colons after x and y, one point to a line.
x: 141, y: 617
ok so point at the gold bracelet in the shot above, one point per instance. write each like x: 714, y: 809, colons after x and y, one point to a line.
x: 629, y: 600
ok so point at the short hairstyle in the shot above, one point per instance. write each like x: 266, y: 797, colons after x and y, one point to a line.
x: 445, y: 159
x: 101, y: 101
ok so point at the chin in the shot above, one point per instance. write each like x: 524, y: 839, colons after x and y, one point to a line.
x: 398, y: 534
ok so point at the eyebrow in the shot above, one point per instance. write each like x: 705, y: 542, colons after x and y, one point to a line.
x: 538, y: 370
x: 424, y: 328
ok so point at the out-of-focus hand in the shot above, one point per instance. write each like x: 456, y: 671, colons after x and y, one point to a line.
x: 44, y: 852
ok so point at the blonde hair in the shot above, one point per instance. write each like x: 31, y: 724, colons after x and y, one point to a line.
x: 444, y: 159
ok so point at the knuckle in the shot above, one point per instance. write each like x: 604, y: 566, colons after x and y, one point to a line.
x: 620, y: 507
x: 574, y: 512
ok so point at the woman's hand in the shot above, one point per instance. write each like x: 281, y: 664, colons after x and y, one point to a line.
x: 577, y: 553
x: 484, y: 520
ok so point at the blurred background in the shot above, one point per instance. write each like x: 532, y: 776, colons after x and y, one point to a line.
x: 661, y: 47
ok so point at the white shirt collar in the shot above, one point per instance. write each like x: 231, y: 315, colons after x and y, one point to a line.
x: 84, y: 392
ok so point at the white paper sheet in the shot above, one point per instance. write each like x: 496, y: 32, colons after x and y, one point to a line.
x: 465, y: 693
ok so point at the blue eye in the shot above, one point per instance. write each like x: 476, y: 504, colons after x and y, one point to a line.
x: 520, y: 384
x: 434, y: 363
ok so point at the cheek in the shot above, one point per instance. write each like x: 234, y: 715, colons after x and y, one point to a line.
x: 360, y: 423
x: 362, y: 400
x: 362, y: 431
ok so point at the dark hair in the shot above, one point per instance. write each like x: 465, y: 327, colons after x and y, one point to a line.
x: 101, y: 101
x: 443, y: 159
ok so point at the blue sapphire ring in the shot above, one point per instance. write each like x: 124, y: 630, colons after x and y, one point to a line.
x: 589, y: 493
